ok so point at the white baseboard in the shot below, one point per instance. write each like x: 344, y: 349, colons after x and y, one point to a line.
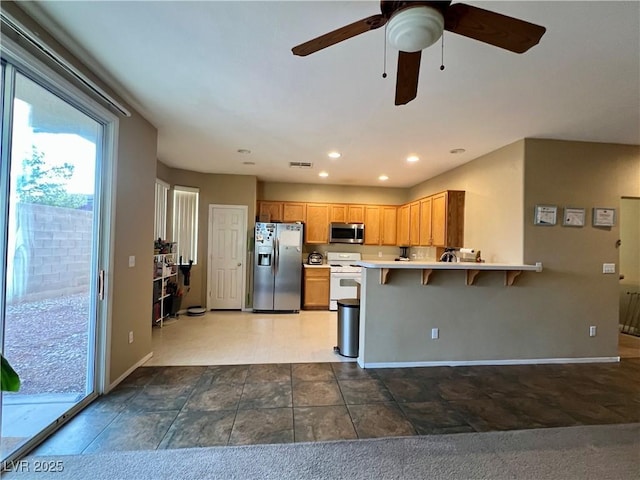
x: 141, y: 362
x: 467, y: 363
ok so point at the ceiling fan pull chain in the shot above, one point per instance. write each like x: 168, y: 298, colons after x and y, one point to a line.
x: 442, y: 54
x: 384, y: 59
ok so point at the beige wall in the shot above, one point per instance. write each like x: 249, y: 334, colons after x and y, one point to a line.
x: 132, y: 288
x: 214, y: 189
x: 493, y: 201
x: 302, y: 192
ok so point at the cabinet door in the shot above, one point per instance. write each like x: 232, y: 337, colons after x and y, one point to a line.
x: 270, y: 211
x: 372, y: 225
x: 403, y: 225
x: 414, y: 223
x: 388, y: 226
x: 355, y: 214
x: 293, y: 212
x: 447, y: 219
x: 316, y: 288
x: 439, y: 219
x: 425, y: 222
x: 317, y: 226
x: 337, y: 213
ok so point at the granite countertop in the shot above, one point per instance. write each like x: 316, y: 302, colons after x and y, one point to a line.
x: 324, y: 265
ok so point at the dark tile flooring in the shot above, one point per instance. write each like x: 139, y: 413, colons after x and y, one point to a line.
x: 176, y: 407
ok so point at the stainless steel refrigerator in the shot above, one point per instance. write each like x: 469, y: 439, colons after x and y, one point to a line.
x: 277, y: 267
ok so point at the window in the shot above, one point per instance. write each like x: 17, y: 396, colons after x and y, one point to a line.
x: 160, y: 218
x: 185, y: 223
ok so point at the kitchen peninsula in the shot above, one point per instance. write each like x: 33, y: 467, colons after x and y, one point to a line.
x: 439, y: 313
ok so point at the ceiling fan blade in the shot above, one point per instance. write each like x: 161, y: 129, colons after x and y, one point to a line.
x: 407, y: 77
x: 337, y: 36
x: 493, y: 28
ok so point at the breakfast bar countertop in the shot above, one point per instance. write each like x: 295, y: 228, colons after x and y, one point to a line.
x: 417, y: 265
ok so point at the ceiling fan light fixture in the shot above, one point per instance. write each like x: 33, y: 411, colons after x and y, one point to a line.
x: 415, y: 28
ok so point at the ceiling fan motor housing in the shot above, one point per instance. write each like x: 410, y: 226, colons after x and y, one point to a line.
x: 413, y: 29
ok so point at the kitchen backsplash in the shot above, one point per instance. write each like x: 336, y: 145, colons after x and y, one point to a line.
x: 371, y: 252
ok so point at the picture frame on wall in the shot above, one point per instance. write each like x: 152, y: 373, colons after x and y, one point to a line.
x: 545, y: 215
x: 573, y: 217
x: 604, y: 217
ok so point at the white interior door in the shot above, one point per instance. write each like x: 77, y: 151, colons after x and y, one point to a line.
x: 227, y: 255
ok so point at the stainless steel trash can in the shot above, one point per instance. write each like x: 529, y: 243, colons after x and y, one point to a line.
x: 348, y: 327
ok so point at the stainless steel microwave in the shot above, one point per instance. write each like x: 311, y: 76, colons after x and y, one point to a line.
x: 346, y: 233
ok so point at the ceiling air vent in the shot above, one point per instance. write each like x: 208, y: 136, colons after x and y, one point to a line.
x: 300, y: 164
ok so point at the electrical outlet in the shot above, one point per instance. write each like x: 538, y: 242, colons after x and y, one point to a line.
x: 435, y: 333
x: 592, y: 331
x: 130, y: 337
x: 608, y: 268
x: 379, y: 254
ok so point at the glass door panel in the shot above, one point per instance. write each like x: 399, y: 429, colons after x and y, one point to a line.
x: 48, y: 331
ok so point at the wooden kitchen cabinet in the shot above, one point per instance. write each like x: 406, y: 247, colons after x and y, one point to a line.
x: 403, y: 225
x: 447, y: 219
x: 355, y: 214
x: 388, y: 227
x: 338, y: 213
x: 425, y: 222
x: 414, y: 223
x: 372, y: 225
x: 316, y: 288
x: 294, y: 212
x: 270, y: 211
x: 317, y: 226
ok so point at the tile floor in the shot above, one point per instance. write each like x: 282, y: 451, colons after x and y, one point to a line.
x: 231, y: 338
x: 195, y: 406
x: 262, y: 384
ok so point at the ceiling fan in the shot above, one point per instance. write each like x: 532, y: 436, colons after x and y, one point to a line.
x: 415, y: 25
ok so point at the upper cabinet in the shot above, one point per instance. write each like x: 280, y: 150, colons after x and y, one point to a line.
x: 414, y: 223
x: 403, y: 226
x: 372, y: 230
x: 425, y: 221
x: 355, y: 214
x: 338, y: 213
x: 388, y: 231
x: 294, y: 212
x: 270, y: 211
x: 317, y: 226
x: 437, y: 220
x: 447, y: 219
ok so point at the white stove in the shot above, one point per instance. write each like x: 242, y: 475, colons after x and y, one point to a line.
x: 344, y: 276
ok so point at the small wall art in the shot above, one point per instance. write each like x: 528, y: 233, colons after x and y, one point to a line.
x: 545, y: 215
x: 604, y: 217
x: 573, y: 217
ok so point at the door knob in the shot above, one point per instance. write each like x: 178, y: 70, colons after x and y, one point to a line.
x: 239, y: 264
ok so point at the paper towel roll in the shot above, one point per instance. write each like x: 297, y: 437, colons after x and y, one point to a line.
x: 467, y: 250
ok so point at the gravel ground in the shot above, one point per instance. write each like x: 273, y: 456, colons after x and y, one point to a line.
x: 46, y: 343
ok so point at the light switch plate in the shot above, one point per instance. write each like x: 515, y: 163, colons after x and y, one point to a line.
x: 435, y: 333
x: 132, y: 261
x: 608, y: 268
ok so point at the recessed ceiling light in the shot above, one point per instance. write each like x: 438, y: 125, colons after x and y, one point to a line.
x: 456, y: 151
x: 383, y: 178
x: 412, y: 158
x: 323, y: 174
x: 334, y: 154
x: 244, y: 151
x: 248, y: 163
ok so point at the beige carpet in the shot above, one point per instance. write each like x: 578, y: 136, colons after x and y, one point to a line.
x: 574, y: 453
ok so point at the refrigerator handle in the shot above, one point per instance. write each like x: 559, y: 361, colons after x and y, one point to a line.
x: 276, y: 251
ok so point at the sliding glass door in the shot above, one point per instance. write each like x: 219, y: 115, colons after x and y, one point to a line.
x: 51, y: 163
